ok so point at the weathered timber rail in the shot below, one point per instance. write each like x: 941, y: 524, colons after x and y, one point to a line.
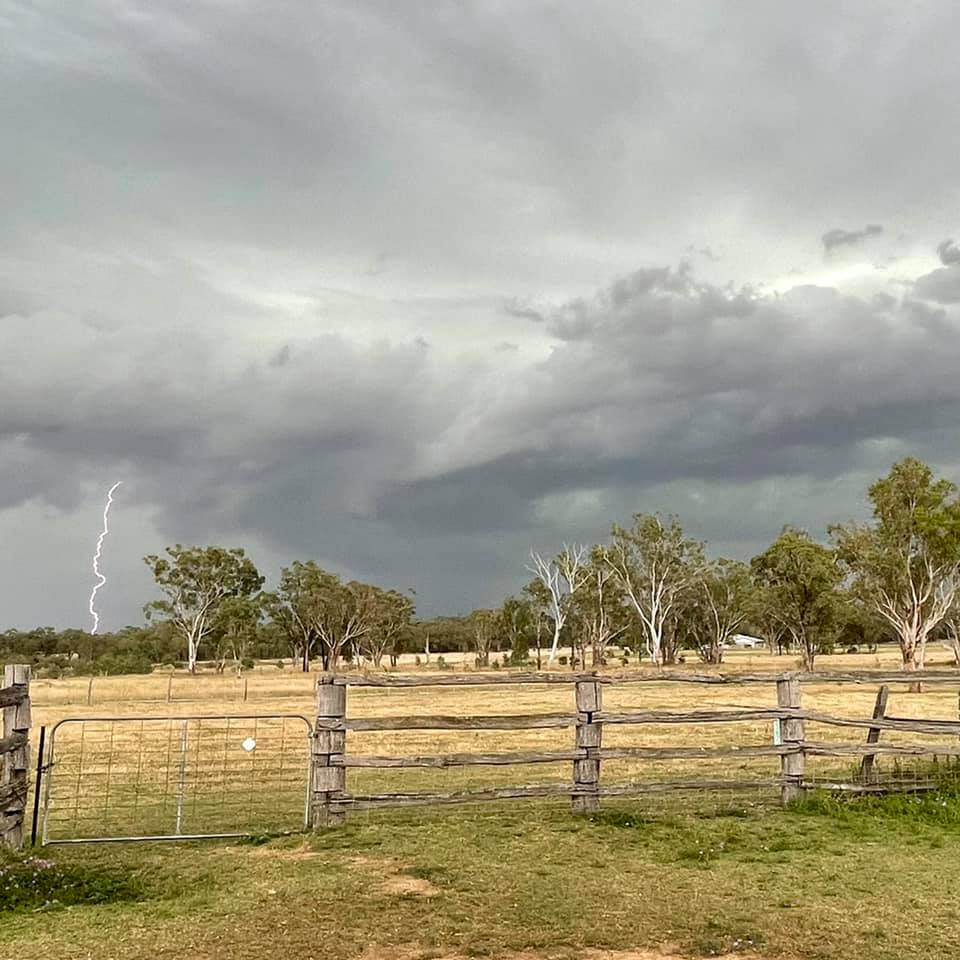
x: 330, y: 798
x: 635, y: 676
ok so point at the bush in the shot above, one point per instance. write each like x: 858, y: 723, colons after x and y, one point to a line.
x: 248, y: 663
x: 114, y: 664
x: 280, y: 664
x: 562, y: 661
x: 416, y: 660
x: 852, y: 648
x: 624, y: 661
x: 496, y: 664
x: 441, y: 663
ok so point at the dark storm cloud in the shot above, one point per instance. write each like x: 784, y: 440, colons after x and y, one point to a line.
x: 366, y: 453
x: 522, y: 311
x: 267, y: 267
x: 834, y: 239
x: 949, y: 253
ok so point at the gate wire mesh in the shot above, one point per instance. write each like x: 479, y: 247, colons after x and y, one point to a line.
x: 128, y: 778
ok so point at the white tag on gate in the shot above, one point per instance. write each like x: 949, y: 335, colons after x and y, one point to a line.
x: 248, y: 744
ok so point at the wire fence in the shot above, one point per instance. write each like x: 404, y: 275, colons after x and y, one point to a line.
x: 175, y: 777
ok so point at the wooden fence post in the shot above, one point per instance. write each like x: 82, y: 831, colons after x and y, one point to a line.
x: 15, y: 750
x: 586, y: 772
x: 328, y: 778
x: 873, y: 734
x: 791, y: 764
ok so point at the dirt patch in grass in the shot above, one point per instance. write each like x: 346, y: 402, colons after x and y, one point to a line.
x: 301, y: 852
x: 396, y: 879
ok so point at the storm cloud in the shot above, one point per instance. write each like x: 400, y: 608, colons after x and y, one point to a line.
x: 834, y: 239
x: 949, y: 253
x: 404, y: 289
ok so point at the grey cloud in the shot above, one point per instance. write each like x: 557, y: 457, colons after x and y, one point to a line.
x: 260, y: 266
x: 281, y: 358
x: 523, y: 311
x: 834, y: 239
x: 949, y: 253
x: 941, y: 285
x: 367, y: 455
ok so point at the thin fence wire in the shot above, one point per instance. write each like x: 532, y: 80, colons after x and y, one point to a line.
x: 169, y: 777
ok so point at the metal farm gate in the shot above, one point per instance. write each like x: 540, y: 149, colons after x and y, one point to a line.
x: 174, y: 778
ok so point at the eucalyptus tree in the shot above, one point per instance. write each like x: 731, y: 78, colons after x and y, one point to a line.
x: 800, y: 580
x: 905, y: 564
x: 715, y: 607
x: 197, y: 581
x: 297, y: 604
x: 235, y: 631
x: 484, y: 627
x: 654, y: 564
x: 561, y: 577
x: 390, y: 613
x: 599, y: 614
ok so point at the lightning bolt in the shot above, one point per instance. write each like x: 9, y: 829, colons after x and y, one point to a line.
x: 101, y: 579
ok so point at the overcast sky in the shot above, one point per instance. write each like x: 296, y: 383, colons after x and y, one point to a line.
x: 408, y: 288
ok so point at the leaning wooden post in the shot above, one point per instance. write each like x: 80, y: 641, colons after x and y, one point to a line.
x: 873, y: 734
x: 328, y: 775
x: 15, y: 749
x: 586, y: 771
x: 792, y: 730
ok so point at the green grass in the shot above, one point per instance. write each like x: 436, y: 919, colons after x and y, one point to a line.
x: 826, y: 881
x: 36, y: 883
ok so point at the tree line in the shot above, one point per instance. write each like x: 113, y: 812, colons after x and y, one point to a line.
x: 648, y: 591
x: 895, y: 577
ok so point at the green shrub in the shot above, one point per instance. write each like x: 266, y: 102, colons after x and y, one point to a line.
x: 248, y: 663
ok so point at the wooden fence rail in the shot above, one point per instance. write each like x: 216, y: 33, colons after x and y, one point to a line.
x: 636, y: 676
x: 332, y: 760
x: 14, y: 753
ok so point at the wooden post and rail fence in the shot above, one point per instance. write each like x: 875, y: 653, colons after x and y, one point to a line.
x: 331, y: 759
x: 330, y: 799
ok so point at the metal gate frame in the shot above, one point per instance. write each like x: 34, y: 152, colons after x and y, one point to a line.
x: 48, y: 767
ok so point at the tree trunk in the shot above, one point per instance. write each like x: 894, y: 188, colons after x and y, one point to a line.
x: 910, y: 665
x: 808, y: 648
x: 554, y: 645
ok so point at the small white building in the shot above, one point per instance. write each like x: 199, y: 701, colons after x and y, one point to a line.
x: 744, y: 642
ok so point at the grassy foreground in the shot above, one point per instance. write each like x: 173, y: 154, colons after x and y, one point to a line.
x: 819, y: 882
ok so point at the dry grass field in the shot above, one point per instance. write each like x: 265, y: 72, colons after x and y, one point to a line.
x: 701, y: 875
